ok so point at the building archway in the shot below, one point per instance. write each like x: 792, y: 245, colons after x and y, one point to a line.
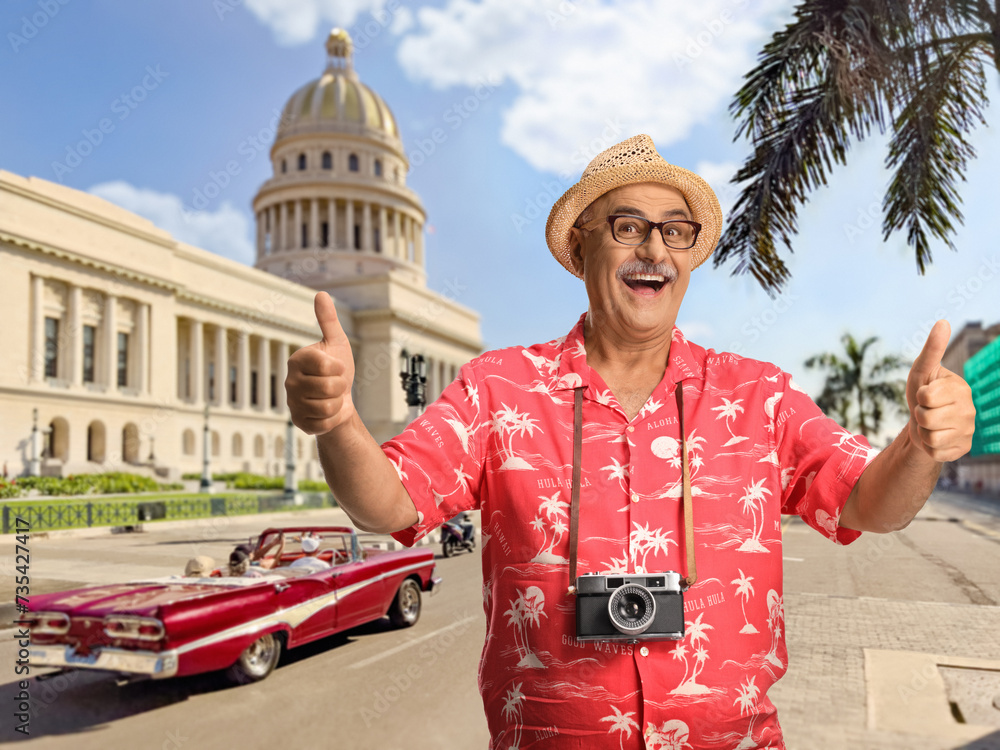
x: 258, y: 447
x: 57, y: 445
x: 130, y: 443
x: 97, y: 451
x: 237, y: 445
x: 216, y: 443
x: 279, y: 447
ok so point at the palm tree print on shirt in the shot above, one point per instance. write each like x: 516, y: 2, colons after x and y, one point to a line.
x: 526, y: 610
x: 728, y: 411
x: 775, y: 623
x: 554, y: 511
x: 695, y: 633
x: 512, y: 712
x: 644, y: 540
x: 621, y: 723
x: 744, y: 589
x: 746, y: 700
x: 511, y: 423
x: 670, y: 735
x: 753, y: 497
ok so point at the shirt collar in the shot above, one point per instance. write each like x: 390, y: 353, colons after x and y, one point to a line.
x: 683, y: 364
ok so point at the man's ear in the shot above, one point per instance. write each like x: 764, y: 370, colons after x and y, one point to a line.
x: 576, y: 249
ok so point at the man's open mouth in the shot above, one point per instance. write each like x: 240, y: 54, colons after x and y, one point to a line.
x: 645, y: 283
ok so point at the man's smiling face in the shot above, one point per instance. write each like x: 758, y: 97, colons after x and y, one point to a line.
x: 634, y: 290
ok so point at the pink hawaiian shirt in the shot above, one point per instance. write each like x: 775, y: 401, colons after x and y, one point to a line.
x: 499, y: 439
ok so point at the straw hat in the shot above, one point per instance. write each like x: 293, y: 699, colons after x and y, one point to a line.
x: 626, y: 163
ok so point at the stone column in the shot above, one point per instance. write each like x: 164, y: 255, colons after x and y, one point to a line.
x: 366, y: 227
x: 243, y: 370
x: 74, y: 334
x: 383, y: 230
x: 196, y: 354
x: 418, y: 244
x: 282, y: 363
x: 221, y: 366
x: 297, y: 233
x: 397, y: 246
x: 313, y: 223
x: 350, y: 224
x: 332, y: 221
x: 37, y: 329
x: 141, y: 347
x: 111, y: 342
x: 264, y: 374
x: 281, y: 239
x: 259, y: 217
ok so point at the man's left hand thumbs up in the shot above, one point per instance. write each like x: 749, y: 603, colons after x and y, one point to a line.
x: 942, y: 417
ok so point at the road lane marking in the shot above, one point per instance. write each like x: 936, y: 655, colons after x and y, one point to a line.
x: 794, y: 559
x: 980, y: 529
x: 414, y: 642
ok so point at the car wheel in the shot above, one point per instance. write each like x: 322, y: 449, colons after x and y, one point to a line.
x: 405, y: 609
x: 257, y: 661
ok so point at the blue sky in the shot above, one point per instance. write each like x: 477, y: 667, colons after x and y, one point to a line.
x: 524, y: 93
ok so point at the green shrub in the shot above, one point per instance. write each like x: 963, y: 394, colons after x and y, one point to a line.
x: 312, y: 485
x: 10, y: 489
x: 169, y: 486
x: 243, y: 481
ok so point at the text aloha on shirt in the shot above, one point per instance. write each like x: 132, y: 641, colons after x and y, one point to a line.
x: 500, y: 439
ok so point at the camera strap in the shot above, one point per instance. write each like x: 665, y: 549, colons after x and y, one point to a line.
x: 574, y: 511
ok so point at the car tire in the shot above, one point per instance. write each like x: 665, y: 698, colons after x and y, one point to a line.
x: 257, y: 661
x: 405, y: 609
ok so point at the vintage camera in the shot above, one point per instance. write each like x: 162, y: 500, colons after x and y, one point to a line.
x: 630, y: 608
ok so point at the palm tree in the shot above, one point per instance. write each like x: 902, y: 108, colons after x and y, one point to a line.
x: 621, y: 722
x: 744, y: 590
x: 857, y: 393
x: 838, y: 71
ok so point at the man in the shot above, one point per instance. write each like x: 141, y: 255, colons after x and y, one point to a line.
x: 501, y: 439
x: 309, y: 561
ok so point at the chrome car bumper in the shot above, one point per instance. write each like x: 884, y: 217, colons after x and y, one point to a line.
x: 151, y: 663
x: 434, y: 586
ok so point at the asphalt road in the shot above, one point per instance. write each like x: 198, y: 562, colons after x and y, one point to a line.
x: 375, y: 687
x: 371, y: 687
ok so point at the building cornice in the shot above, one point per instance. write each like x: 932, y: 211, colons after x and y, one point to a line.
x: 418, y: 324
x: 72, y: 257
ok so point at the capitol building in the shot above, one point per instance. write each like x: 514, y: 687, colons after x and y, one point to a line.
x: 121, y: 343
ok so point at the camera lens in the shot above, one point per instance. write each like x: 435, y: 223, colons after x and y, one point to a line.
x: 631, y: 609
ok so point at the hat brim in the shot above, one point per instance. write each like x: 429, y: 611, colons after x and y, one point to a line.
x: 700, y: 197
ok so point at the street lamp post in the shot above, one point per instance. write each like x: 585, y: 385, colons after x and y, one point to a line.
x: 289, y: 460
x: 413, y: 373
x: 35, y: 465
x: 206, y: 477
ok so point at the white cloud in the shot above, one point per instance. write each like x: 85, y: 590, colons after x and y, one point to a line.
x: 592, y: 72
x: 225, y: 231
x: 296, y: 21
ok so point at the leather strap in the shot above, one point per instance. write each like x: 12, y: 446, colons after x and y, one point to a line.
x: 574, y: 512
x: 574, y: 508
x: 692, y: 571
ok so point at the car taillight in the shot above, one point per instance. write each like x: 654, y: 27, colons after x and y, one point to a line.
x: 49, y: 623
x: 134, y: 628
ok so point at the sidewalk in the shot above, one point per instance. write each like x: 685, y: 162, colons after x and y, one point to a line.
x: 892, y: 639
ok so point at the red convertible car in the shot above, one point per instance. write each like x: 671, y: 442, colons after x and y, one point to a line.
x: 180, y: 626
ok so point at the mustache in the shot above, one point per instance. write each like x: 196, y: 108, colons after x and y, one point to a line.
x: 666, y: 270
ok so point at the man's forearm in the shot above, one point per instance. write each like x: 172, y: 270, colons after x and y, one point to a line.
x: 363, y: 479
x: 892, y: 489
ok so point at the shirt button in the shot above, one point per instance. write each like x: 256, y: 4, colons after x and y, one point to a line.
x: 635, y: 497
x: 631, y: 428
x: 649, y: 730
x: 644, y: 651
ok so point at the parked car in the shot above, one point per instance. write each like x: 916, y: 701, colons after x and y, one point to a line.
x: 177, y: 626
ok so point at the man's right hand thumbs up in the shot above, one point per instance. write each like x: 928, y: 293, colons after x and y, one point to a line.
x: 320, y: 375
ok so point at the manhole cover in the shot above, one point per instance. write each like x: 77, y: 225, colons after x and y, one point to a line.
x: 974, y: 694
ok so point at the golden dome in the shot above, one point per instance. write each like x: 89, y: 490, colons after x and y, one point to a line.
x: 337, y: 102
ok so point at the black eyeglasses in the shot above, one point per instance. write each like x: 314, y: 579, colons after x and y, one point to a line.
x: 635, y: 230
